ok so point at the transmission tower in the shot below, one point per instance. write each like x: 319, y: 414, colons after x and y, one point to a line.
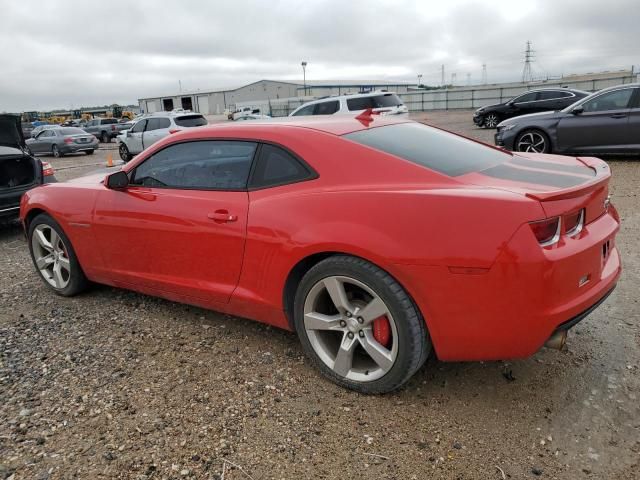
x: 484, y: 73
x: 529, y: 55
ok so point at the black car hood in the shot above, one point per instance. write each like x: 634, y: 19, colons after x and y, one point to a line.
x: 11, y: 131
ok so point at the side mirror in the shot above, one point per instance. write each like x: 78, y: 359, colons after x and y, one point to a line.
x: 577, y: 110
x: 116, y: 181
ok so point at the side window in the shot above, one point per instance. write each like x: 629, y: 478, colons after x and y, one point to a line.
x: 276, y: 166
x: 157, y: 123
x: 551, y: 95
x: 360, y: 103
x: 327, y: 108
x: 615, y: 100
x: 308, y: 110
x: 527, y: 97
x: 138, y: 127
x: 199, y: 165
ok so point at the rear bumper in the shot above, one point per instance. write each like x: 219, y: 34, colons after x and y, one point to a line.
x: 80, y: 147
x: 512, y: 309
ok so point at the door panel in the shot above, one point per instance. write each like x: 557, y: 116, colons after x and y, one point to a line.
x: 173, y: 240
x: 593, y: 132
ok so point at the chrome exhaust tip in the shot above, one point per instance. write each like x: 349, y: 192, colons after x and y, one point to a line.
x: 558, y: 340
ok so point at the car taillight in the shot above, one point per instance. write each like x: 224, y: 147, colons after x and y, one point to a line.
x: 573, y: 223
x: 47, y: 169
x: 68, y: 140
x: 547, y: 232
x: 113, y: 128
x: 174, y: 130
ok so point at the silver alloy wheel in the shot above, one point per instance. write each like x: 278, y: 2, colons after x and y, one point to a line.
x: 55, y: 151
x: 532, y: 142
x: 338, y: 319
x: 51, y: 257
x: 491, y: 120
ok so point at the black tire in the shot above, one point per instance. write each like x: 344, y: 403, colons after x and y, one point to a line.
x: 77, y: 279
x: 414, y: 344
x: 491, y: 120
x: 55, y: 151
x: 105, y: 137
x: 89, y: 152
x: 123, y: 150
x: 532, y: 137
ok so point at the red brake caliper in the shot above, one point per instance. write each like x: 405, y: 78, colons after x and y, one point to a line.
x: 382, y: 331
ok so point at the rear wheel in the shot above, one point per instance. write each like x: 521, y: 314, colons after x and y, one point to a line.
x: 56, y: 151
x: 491, y: 120
x: 105, y: 138
x: 54, y: 257
x: 125, y: 155
x: 359, y: 326
x: 533, y: 141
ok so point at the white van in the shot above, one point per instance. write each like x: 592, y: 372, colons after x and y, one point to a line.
x: 387, y: 103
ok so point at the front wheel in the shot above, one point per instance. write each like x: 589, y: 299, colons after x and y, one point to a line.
x: 491, y: 120
x: 54, y: 257
x: 105, y: 138
x: 533, y: 141
x: 359, y: 326
x: 56, y: 151
x: 125, y: 155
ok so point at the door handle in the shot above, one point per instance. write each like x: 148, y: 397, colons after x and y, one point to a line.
x: 619, y: 115
x: 222, y: 216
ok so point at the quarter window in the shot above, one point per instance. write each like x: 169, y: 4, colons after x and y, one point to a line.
x: 276, y: 166
x: 327, y: 108
x: 615, y: 100
x: 199, y: 165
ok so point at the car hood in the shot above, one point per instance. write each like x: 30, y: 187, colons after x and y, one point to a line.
x: 485, y: 107
x: 533, y: 116
x: 94, y: 177
x: 11, y: 131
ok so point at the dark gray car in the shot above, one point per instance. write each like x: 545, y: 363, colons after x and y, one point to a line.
x: 60, y: 141
x: 607, y: 121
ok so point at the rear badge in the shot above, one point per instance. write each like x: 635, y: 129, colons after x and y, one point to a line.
x: 584, y: 280
x: 607, y: 202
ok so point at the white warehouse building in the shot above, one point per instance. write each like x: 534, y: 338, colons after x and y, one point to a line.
x: 215, y: 102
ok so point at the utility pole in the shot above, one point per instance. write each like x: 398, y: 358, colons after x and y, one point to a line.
x: 419, y: 80
x: 304, y: 76
x: 529, y: 55
x: 180, y: 86
x: 453, y: 78
x: 468, y: 79
x: 484, y: 73
x: 442, y: 79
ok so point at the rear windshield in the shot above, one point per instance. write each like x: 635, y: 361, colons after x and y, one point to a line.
x: 377, y: 101
x: 432, y: 148
x: 71, y: 131
x: 190, y: 121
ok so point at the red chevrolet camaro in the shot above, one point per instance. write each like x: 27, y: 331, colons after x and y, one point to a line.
x: 376, y: 240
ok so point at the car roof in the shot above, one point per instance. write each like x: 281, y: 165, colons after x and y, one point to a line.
x: 335, y: 125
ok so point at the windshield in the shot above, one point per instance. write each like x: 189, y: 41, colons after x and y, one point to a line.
x: 436, y: 149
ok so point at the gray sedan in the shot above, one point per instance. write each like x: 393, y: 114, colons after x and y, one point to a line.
x: 607, y: 121
x: 60, y: 141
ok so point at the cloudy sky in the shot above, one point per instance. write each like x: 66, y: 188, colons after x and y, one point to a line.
x: 68, y: 53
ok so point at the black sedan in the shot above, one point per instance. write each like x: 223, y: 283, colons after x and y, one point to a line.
x: 542, y: 100
x: 607, y: 121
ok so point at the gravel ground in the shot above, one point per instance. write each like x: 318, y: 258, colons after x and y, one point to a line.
x: 113, y: 384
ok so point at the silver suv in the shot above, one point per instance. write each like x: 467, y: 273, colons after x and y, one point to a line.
x: 386, y: 103
x: 148, y: 129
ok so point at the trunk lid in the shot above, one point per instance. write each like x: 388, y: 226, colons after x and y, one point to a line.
x: 11, y: 131
x: 561, y: 184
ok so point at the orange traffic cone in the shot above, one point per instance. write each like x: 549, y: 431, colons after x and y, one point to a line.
x: 109, y: 160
